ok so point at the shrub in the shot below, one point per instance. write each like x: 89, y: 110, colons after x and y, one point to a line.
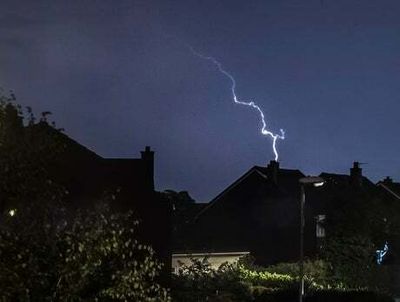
x: 278, y: 283
x: 92, y: 257
x: 266, y: 279
x: 199, y: 282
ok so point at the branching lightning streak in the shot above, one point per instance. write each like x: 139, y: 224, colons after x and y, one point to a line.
x: 264, y: 130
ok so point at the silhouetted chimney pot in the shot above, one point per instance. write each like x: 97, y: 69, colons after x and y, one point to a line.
x: 148, y: 158
x: 273, y: 169
x: 356, y: 174
x: 388, y: 180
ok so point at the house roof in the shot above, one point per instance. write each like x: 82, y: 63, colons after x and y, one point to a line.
x: 344, y: 180
x: 287, y: 180
x: 86, y: 175
x: 261, y: 209
x: 71, y: 146
x: 391, y: 187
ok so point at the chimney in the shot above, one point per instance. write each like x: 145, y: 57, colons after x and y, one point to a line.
x: 148, y: 158
x: 272, y: 171
x: 388, y: 180
x: 356, y: 175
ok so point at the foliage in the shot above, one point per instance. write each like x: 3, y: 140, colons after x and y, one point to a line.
x: 25, y: 152
x: 49, y: 253
x: 103, y: 260
x: 352, y: 264
x: 182, y: 203
x: 90, y: 257
x: 184, y: 208
x: 356, y: 230
x: 178, y: 198
x: 361, y: 220
x: 199, y: 282
x: 284, y: 276
x: 316, y: 272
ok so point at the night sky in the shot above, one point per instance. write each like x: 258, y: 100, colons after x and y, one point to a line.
x: 117, y: 76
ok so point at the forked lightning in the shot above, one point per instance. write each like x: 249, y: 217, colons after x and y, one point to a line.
x: 264, y: 130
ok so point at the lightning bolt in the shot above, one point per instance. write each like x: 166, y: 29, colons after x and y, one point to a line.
x: 250, y: 103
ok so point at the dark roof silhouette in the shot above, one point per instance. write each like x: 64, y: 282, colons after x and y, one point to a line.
x: 260, y: 213
x: 256, y: 210
x: 391, y: 187
x: 286, y: 182
x: 88, y: 176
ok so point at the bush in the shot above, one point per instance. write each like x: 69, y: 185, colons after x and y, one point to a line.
x: 266, y: 279
x: 285, y: 275
x: 278, y: 283
x: 92, y: 257
x: 199, y: 282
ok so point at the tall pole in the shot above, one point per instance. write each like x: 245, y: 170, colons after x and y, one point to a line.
x: 316, y: 182
x: 301, y: 264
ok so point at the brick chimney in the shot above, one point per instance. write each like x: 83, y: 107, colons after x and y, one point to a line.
x: 148, y: 158
x: 356, y: 175
x: 272, y: 171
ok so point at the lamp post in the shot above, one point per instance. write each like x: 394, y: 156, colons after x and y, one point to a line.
x: 305, y: 181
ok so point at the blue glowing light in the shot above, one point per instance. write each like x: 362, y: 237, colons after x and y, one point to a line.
x: 380, y: 254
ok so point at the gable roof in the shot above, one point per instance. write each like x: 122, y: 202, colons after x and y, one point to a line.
x: 286, y: 180
x: 71, y: 146
x: 87, y: 176
x: 265, y: 200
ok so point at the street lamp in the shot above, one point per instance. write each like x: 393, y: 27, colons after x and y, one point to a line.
x: 305, y: 181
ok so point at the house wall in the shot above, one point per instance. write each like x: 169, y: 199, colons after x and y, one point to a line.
x: 214, y: 259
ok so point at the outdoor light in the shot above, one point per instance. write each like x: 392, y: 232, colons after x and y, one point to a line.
x: 12, y: 212
x: 312, y: 180
x: 305, y: 181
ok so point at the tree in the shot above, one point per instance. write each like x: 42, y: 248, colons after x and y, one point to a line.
x: 25, y: 153
x: 361, y: 224
x: 91, y: 256
x: 102, y: 260
x: 184, y: 208
x: 49, y: 252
